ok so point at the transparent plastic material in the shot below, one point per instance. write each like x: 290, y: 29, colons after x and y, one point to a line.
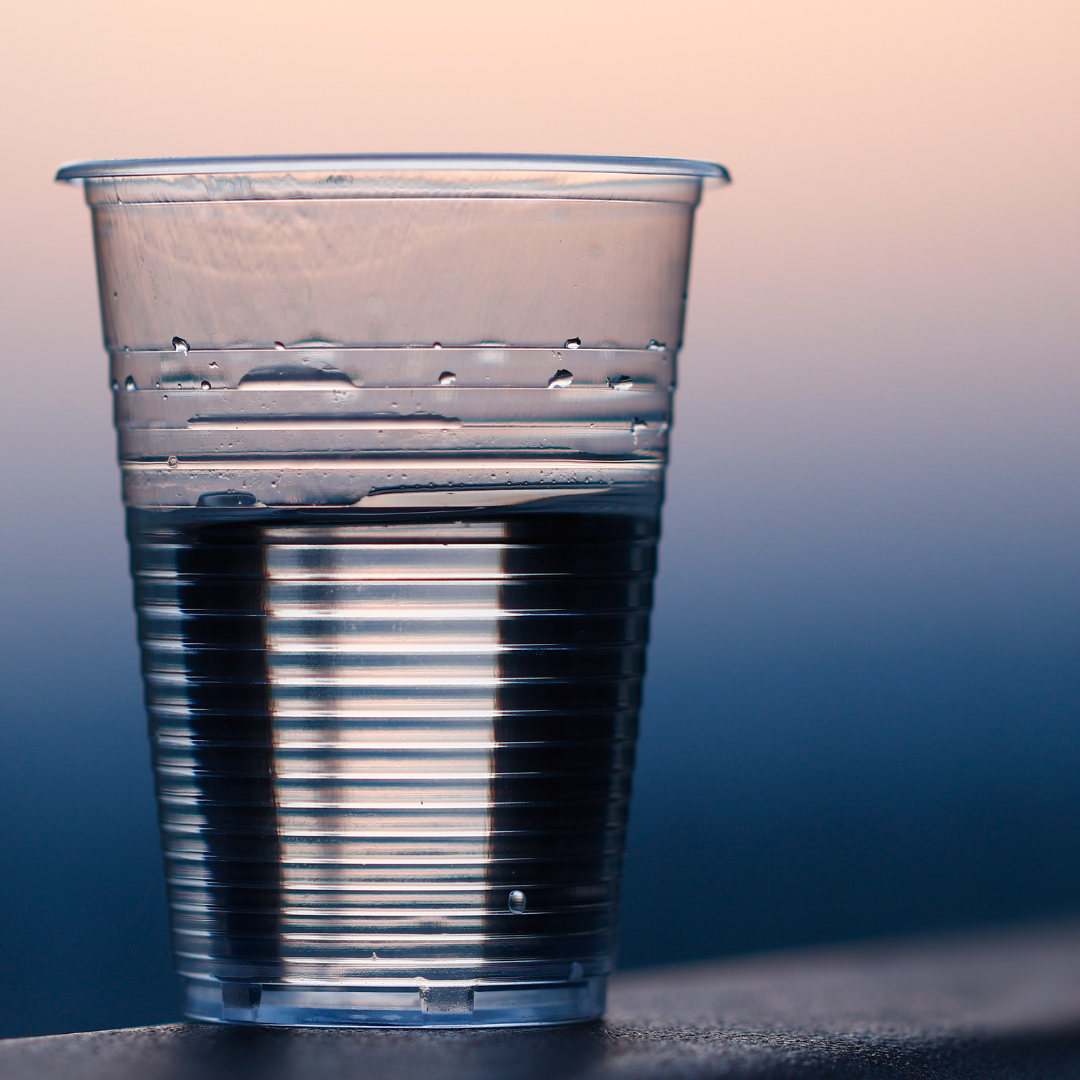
x: 392, y: 435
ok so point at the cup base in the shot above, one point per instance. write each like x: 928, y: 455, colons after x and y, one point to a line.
x: 440, y: 1005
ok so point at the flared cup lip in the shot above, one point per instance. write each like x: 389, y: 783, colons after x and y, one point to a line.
x: 576, y: 163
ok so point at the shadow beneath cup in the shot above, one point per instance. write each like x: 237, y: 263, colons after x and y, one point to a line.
x: 238, y: 1053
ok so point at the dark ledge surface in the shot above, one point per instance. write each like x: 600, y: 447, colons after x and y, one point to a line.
x: 1003, y: 1004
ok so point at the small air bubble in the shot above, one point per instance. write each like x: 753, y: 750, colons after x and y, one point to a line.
x: 573, y: 343
x: 516, y: 902
x: 129, y: 383
x: 173, y: 462
x: 222, y: 499
x: 206, y: 384
x: 180, y: 345
x: 447, y: 378
x: 561, y: 379
x: 621, y: 382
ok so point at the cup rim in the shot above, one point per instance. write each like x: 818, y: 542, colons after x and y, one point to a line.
x: 574, y: 163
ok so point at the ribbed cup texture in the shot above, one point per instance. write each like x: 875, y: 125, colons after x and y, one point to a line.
x: 397, y: 747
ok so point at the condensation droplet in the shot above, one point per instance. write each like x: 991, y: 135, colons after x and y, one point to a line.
x: 447, y: 378
x: 279, y: 346
x: 516, y: 902
x: 657, y: 346
x: 129, y: 383
x: 573, y: 343
x: 561, y: 379
x: 436, y: 345
x: 621, y: 382
x: 173, y: 462
x: 180, y: 345
x: 213, y: 363
x: 115, y: 385
x: 206, y: 384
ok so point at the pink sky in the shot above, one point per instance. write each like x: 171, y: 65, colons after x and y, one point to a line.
x: 905, y: 174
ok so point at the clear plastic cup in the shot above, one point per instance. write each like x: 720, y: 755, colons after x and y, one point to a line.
x: 392, y: 434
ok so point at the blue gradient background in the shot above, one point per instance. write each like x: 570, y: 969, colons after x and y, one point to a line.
x: 862, y: 703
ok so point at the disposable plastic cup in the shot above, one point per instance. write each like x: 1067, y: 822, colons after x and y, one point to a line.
x: 392, y: 434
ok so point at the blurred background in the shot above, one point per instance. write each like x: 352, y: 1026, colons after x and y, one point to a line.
x: 862, y: 704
